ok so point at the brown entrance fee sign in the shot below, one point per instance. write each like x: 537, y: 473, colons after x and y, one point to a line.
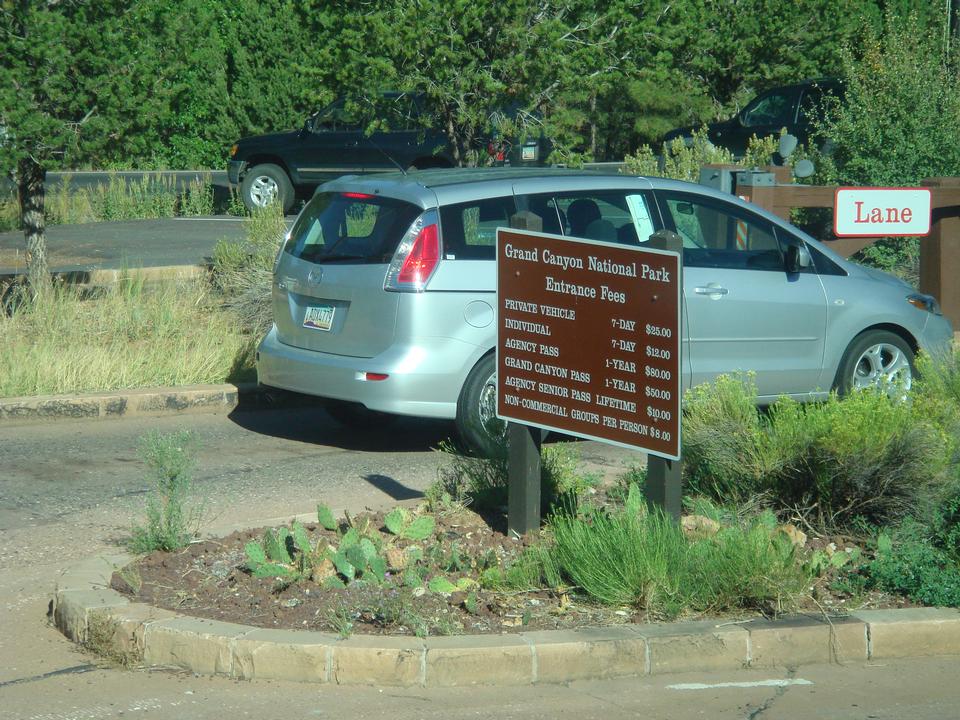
x: 588, y: 339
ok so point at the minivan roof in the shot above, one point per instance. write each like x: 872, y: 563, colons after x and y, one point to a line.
x: 446, y: 185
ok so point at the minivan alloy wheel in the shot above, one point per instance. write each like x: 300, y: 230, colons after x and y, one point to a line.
x: 877, y: 359
x: 883, y: 365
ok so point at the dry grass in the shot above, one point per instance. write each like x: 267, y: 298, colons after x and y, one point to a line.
x: 126, y: 336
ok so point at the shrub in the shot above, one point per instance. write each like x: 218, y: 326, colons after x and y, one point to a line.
x: 482, y: 481
x: 722, y: 443
x: 681, y: 161
x: 863, y: 457
x: 170, y: 522
x: 635, y: 557
x: 243, y: 271
x: 914, y: 563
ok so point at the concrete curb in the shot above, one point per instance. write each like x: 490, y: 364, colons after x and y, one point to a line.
x: 88, y: 611
x: 146, y: 401
x: 123, y: 403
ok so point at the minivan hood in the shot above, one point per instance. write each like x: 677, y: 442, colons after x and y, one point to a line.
x: 885, y: 277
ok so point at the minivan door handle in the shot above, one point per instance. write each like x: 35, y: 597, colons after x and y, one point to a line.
x: 711, y: 289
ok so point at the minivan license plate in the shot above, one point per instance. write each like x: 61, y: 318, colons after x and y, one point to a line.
x: 319, y: 317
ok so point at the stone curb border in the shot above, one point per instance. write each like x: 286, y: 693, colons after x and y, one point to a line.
x: 156, y: 637
x: 146, y: 401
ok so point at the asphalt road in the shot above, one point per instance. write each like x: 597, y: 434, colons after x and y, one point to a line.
x: 132, y: 244
x: 129, y: 244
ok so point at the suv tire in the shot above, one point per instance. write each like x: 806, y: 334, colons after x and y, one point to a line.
x: 265, y: 182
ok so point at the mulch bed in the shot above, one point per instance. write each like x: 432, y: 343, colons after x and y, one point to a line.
x: 210, y: 579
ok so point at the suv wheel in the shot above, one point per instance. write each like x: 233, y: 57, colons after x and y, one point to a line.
x: 876, y: 359
x: 264, y: 184
x: 477, y: 423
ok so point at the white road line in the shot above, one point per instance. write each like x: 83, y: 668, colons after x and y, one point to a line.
x: 756, y: 683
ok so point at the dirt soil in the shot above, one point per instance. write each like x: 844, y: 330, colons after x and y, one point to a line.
x: 210, y: 579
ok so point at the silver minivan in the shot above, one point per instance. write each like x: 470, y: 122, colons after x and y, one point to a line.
x: 384, y: 291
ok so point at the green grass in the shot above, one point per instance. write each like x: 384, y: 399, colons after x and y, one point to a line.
x: 643, y: 559
x: 125, y: 336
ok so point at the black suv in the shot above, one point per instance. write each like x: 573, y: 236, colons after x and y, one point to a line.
x: 793, y: 107
x: 332, y: 142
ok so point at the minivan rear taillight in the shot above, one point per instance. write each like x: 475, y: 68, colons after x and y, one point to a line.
x: 416, y: 257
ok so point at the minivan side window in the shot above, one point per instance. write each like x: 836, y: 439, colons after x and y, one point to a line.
x: 617, y: 216
x: 469, y: 230
x: 721, y: 235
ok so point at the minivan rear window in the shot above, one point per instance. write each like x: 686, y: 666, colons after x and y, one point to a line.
x: 350, y: 228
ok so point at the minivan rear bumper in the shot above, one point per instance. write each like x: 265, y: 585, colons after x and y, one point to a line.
x: 423, y: 378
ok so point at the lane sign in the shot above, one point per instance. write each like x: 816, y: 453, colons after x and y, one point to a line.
x: 588, y: 339
x: 881, y: 212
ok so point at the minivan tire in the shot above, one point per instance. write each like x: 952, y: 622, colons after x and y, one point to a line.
x: 263, y: 181
x: 871, y: 353
x: 476, y: 422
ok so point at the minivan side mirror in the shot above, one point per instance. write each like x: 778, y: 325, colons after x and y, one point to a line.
x: 798, y: 257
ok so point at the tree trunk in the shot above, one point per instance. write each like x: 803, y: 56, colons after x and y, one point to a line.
x: 31, y: 177
x: 593, y: 127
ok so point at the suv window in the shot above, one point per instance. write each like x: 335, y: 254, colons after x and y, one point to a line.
x: 350, y: 227
x: 721, y: 235
x: 469, y: 230
x: 610, y: 215
x: 337, y: 117
x: 814, y: 101
x: 773, y: 109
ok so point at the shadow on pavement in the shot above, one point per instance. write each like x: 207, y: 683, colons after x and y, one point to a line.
x: 313, y: 425
x: 396, y: 490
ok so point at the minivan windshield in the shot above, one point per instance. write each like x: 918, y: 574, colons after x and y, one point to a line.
x: 350, y: 227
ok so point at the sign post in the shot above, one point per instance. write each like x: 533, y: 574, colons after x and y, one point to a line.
x: 665, y: 477
x: 588, y: 344
x: 523, y: 443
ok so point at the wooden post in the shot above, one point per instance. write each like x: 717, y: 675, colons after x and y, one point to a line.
x: 523, y: 471
x: 523, y: 460
x: 940, y: 250
x: 664, y: 487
